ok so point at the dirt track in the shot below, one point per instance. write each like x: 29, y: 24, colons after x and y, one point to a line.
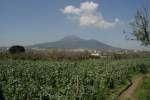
x: 128, y: 94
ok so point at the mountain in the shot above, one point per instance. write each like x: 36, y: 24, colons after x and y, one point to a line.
x: 74, y: 42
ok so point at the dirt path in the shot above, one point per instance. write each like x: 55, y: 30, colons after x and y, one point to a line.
x: 128, y: 94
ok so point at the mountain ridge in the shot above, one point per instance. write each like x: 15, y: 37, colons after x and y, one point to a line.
x: 75, y: 42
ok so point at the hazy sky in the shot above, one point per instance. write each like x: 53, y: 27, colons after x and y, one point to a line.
x: 27, y: 22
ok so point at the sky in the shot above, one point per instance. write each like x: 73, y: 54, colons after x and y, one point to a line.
x: 27, y: 22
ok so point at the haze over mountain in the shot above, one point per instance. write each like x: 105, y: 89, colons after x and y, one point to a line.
x: 74, y: 42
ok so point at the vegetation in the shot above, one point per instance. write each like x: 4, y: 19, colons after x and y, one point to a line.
x: 142, y: 93
x: 142, y: 68
x: 91, y: 79
x: 141, y: 26
x: 1, y: 94
x: 55, y: 54
x: 62, y: 54
x: 141, y: 32
x: 16, y: 49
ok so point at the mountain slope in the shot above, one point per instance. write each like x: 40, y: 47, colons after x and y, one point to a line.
x: 74, y: 42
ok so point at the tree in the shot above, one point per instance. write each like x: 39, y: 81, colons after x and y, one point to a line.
x: 141, y: 27
x: 16, y: 49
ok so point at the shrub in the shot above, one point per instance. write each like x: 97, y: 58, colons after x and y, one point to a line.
x: 142, y: 68
x: 16, y: 49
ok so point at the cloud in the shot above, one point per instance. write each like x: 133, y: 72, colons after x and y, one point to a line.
x: 71, y: 10
x: 88, y: 19
x: 87, y: 15
x: 89, y: 6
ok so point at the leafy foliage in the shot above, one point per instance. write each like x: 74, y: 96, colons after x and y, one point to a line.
x: 143, y: 68
x: 140, y: 26
x: 64, y: 80
x: 16, y: 49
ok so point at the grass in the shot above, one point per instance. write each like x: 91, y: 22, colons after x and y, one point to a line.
x: 143, y: 92
x: 117, y: 90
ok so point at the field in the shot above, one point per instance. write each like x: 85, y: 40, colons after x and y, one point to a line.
x: 90, y: 79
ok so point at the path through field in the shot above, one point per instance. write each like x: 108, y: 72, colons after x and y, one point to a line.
x: 128, y: 94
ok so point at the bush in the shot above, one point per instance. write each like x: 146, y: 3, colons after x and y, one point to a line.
x: 142, y: 68
x: 16, y: 49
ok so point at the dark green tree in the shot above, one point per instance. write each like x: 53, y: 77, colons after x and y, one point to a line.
x: 16, y: 49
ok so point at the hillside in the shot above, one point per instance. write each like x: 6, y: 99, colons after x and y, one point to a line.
x: 74, y: 42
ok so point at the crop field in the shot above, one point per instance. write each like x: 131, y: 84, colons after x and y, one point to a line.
x: 91, y: 79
